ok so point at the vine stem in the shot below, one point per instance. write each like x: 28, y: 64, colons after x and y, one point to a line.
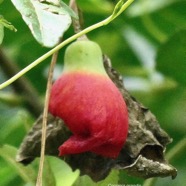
x: 119, y: 8
x: 44, y: 123
x: 180, y: 146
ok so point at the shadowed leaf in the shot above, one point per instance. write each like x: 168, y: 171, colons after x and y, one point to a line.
x: 27, y: 173
x: 171, y: 57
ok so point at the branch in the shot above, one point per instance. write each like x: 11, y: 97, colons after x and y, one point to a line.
x: 22, y: 86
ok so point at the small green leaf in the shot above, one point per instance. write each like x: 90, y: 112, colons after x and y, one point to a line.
x: 171, y: 57
x: 7, y: 24
x: 47, y: 22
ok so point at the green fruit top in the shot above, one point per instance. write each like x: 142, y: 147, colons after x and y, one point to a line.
x: 84, y: 55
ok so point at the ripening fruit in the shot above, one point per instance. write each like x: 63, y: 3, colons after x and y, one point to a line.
x: 89, y: 103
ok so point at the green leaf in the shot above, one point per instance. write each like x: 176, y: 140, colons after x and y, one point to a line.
x: 48, y: 175
x: 47, y: 22
x: 7, y: 24
x: 8, y: 153
x: 111, y: 179
x: 62, y: 172
x: 171, y: 57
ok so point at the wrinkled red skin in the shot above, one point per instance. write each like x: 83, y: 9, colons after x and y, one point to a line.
x: 95, y: 112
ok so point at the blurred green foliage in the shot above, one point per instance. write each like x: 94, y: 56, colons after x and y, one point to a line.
x: 147, y: 45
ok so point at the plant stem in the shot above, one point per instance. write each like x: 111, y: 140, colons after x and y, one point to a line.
x: 10, y: 98
x: 106, y: 21
x: 45, y: 115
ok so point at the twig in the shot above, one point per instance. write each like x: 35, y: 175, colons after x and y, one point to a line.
x: 75, y: 22
x: 45, y: 115
x: 22, y: 86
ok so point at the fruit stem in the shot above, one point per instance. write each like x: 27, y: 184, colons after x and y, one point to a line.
x: 119, y: 8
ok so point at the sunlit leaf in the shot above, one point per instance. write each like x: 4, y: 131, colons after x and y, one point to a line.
x: 112, y: 179
x: 47, y: 22
x: 62, y: 172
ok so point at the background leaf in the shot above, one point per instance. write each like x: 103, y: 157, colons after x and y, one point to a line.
x: 8, y: 153
x: 155, y: 26
x: 111, y: 179
x: 171, y: 57
x: 46, y: 22
x: 62, y: 172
